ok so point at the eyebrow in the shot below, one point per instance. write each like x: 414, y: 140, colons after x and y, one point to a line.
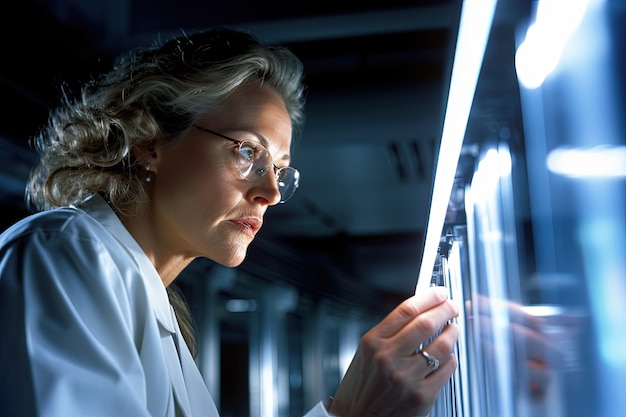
x: 262, y: 139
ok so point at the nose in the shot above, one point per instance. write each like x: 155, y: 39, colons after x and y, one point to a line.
x: 266, y: 189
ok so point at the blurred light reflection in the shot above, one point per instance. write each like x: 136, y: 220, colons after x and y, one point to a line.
x: 593, y: 162
x: 540, y: 52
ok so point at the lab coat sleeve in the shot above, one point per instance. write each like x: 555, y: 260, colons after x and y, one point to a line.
x: 67, y: 306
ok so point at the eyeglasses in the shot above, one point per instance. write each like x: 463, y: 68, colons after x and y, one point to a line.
x: 253, y: 161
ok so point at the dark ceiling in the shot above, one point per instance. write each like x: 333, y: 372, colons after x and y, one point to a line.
x: 377, y: 81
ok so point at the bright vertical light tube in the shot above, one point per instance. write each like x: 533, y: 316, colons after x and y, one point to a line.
x: 474, y: 28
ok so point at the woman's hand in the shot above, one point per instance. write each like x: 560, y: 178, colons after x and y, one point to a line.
x: 388, y: 375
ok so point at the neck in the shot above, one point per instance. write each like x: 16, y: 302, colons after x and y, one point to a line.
x: 168, y: 263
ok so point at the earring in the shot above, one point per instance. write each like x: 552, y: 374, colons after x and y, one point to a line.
x: 148, y: 176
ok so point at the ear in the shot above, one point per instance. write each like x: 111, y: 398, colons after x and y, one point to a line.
x: 147, y: 155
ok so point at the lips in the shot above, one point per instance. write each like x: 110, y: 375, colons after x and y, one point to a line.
x: 250, y: 225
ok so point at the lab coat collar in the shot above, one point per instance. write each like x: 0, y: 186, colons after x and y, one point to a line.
x: 189, y: 387
x: 97, y: 208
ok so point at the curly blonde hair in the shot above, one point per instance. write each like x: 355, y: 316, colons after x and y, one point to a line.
x: 150, y: 97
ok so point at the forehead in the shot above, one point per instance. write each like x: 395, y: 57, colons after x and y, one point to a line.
x: 258, y: 110
x: 254, y: 107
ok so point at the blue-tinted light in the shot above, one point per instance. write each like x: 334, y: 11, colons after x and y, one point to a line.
x: 594, y: 162
x: 540, y: 52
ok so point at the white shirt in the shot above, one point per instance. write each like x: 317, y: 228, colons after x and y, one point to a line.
x: 86, y: 324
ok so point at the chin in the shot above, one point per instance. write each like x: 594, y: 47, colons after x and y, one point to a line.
x: 232, y: 260
x: 232, y: 264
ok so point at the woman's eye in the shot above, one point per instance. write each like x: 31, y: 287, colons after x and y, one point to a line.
x: 247, y: 152
x: 261, y: 171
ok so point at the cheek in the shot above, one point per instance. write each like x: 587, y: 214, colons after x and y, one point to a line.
x: 193, y: 183
x: 179, y: 173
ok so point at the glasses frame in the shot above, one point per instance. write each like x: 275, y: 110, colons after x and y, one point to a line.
x: 274, y: 167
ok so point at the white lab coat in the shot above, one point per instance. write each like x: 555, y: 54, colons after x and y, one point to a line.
x: 86, y: 325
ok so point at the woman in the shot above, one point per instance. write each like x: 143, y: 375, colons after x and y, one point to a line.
x: 175, y: 154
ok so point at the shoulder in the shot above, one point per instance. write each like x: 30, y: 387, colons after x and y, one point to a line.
x: 68, y: 235
x: 69, y: 251
x: 66, y: 223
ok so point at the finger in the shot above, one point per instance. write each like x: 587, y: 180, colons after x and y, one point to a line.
x: 449, y: 363
x: 441, y: 348
x: 423, y: 327
x: 408, y: 310
x: 445, y: 341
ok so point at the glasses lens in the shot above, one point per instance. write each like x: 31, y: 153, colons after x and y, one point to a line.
x: 254, y: 161
x: 288, y: 180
